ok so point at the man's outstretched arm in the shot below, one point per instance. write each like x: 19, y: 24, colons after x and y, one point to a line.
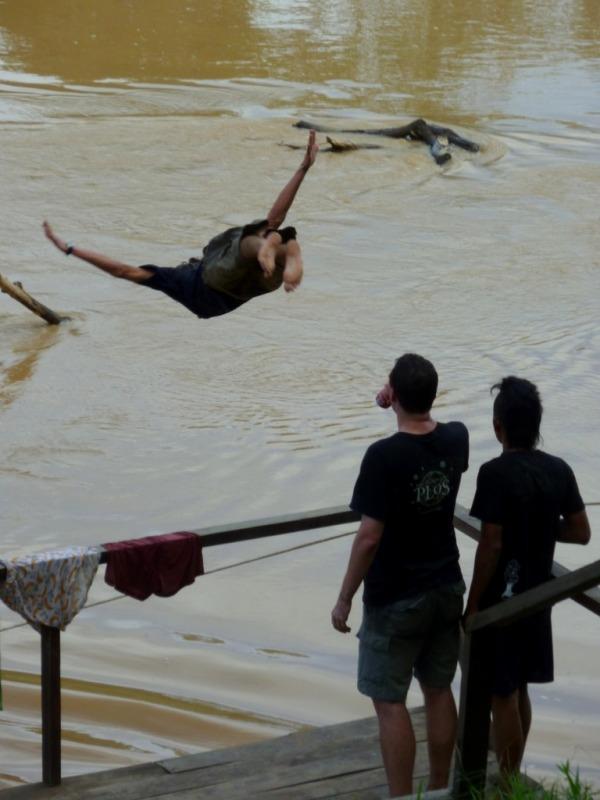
x: 286, y: 197
x: 115, y: 268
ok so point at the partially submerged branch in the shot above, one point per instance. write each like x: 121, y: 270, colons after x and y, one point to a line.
x: 435, y: 137
x: 18, y: 293
x: 336, y: 146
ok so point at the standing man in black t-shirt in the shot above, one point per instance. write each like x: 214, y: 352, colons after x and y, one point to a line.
x: 527, y: 500
x: 405, y: 551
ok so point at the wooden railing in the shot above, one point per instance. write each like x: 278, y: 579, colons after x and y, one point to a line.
x: 474, y: 711
x: 475, y: 692
x: 211, y: 537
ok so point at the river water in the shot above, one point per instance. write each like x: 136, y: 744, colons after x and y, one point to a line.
x: 141, y: 129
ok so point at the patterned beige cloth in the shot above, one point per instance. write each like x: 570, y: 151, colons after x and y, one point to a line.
x: 50, y: 588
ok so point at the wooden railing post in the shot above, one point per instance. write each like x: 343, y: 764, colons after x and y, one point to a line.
x: 473, y: 720
x: 51, y: 726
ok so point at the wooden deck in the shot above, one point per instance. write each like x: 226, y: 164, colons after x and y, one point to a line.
x: 337, y: 761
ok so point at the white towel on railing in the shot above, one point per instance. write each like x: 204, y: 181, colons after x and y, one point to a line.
x: 50, y: 588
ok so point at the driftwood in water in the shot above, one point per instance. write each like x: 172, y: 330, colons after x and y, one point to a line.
x: 340, y: 147
x: 436, y: 137
x: 335, y: 146
x: 18, y: 293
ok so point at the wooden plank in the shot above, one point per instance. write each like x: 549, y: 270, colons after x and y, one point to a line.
x: 76, y: 786
x: 380, y: 792
x: 364, y: 784
x: 371, y: 782
x: 254, y: 779
x: 308, y: 741
x: 589, y: 599
x: 473, y: 720
x: 467, y: 524
x: 336, y: 749
x: 362, y: 754
x: 299, y: 776
x: 354, y: 772
x: 275, y: 526
x: 51, y: 722
x: 280, y: 777
x: 208, y: 768
x: 542, y: 596
x: 276, y: 748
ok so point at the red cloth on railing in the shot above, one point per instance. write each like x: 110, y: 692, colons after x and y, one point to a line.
x: 159, y: 565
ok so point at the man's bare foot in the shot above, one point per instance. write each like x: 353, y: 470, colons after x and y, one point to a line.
x: 267, y: 253
x: 294, y: 269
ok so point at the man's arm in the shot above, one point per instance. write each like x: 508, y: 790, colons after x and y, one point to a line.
x: 574, y: 528
x: 286, y: 197
x: 486, y: 561
x: 362, y: 554
x: 115, y: 268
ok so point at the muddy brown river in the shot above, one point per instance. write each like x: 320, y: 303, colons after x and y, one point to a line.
x: 141, y: 129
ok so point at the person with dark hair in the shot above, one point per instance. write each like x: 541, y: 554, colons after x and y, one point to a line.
x: 405, y: 552
x: 518, y: 409
x: 527, y: 500
x: 237, y: 265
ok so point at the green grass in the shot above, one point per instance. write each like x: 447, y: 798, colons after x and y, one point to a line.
x: 573, y: 788
x: 568, y: 787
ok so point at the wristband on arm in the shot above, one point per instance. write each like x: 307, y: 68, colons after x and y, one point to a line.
x: 287, y: 234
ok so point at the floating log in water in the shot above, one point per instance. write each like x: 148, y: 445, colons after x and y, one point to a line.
x: 335, y: 146
x: 436, y: 137
x: 18, y: 293
x: 340, y: 147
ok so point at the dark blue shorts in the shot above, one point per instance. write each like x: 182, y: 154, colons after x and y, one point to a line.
x: 221, y: 280
x: 519, y: 654
x: 185, y: 285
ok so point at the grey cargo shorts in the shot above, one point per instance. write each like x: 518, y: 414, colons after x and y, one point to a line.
x: 417, y: 636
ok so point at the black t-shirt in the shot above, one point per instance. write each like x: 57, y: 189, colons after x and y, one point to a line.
x: 220, y: 281
x: 526, y: 492
x: 410, y: 483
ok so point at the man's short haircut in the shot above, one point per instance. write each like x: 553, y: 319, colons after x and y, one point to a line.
x: 518, y: 408
x: 414, y: 381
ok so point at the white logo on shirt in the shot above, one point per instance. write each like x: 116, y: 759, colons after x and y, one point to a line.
x: 511, y: 576
x: 432, y: 488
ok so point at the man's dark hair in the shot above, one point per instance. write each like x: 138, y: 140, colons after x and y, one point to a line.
x: 518, y: 408
x: 414, y: 381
